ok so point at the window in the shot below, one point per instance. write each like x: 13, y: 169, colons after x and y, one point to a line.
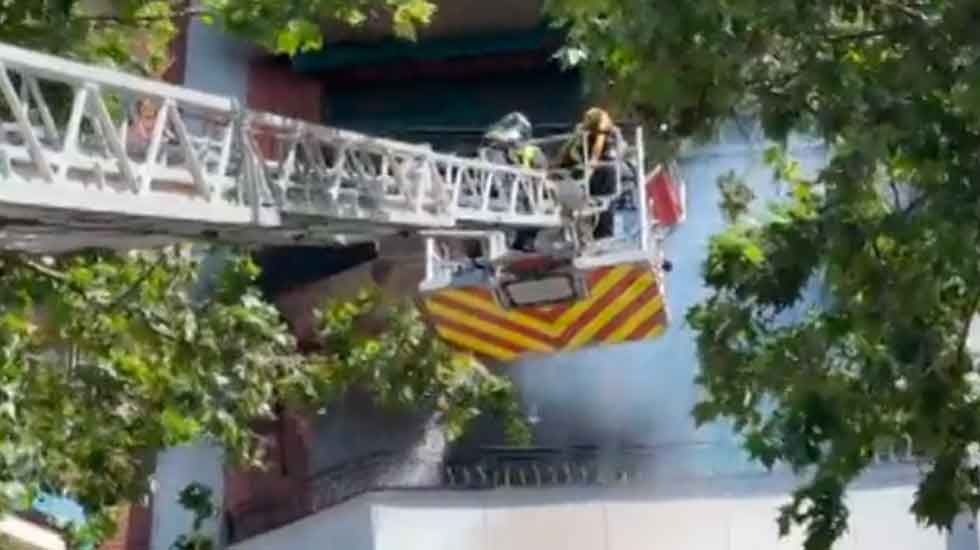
x: 452, y: 113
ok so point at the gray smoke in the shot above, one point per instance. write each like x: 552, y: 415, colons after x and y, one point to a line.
x: 633, y: 401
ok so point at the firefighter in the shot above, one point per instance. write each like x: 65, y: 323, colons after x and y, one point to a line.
x: 141, y: 126
x: 506, y: 141
x: 602, y: 145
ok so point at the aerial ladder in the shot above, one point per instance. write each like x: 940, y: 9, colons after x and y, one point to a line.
x: 87, y: 150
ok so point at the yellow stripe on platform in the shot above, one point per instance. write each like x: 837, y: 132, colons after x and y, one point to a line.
x: 490, y: 307
x: 596, y: 293
x: 654, y: 332
x: 472, y: 321
x: 473, y: 343
x: 495, y: 330
x: 609, y: 313
x: 639, y: 316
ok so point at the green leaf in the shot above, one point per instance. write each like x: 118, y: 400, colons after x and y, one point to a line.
x: 753, y: 253
x: 870, y: 265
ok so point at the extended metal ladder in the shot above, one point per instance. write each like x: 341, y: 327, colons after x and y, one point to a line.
x: 85, y: 148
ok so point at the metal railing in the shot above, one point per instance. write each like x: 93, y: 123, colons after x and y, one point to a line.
x: 76, y: 139
x: 490, y: 469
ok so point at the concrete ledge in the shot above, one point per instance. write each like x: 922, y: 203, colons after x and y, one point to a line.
x: 28, y: 535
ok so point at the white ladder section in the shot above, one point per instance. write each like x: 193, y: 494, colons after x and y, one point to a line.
x: 85, y: 148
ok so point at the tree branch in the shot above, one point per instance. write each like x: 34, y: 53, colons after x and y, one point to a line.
x: 62, y: 278
x: 916, y: 203
x: 117, y: 20
x: 42, y: 269
x: 864, y: 35
x: 908, y: 11
x: 896, y: 196
x: 126, y: 294
x: 46, y: 272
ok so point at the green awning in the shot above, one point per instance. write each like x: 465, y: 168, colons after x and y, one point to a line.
x: 337, y: 56
x: 445, y: 112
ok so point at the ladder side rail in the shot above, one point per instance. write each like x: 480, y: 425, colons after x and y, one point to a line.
x: 50, y: 67
x: 482, y: 181
x: 116, y: 159
x: 111, y: 134
x: 399, y: 179
x: 515, y: 188
x: 156, y: 142
x: 364, y: 141
x: 185, y: 149
x: 587, y: 167
x: 486, y: 186
x: 227, y: 145
x: 423, y: 184
x: 466, y: 189
x: 416, y: 185
x: 209, y: 132
x: 336, y: 183
x: 42, y: 106
x: 431, y: 189
x: 9, y: 93
x: 252, y: 176
x: 439, y: 188
x: 641, y: 192
x: 69, y: 146
x: 262, y: 185
x: 618, y: 160
x: 273, y: 170
x: 359, y: 185
x: 190, y: 154
x: 321, y: 183
x: 312, y: 167
x: 482, y: 175
x: 24, y: 95
x: 286, y: 171
x: 454, y: 175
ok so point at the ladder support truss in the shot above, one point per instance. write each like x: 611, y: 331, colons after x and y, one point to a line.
x: 89, y: 147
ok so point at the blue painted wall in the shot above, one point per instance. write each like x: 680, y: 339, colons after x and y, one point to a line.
x: 643, y: 393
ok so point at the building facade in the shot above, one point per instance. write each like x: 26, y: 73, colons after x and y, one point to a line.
x: 618, y: 462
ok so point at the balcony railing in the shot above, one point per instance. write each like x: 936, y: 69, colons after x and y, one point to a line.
x: 491, y: 468
x: 494, y: 468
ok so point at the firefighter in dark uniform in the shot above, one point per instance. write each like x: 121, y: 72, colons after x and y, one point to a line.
x: 506, y: 141
x: 601, y: 149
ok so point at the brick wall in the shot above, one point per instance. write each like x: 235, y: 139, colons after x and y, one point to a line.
x: 273, y: 87
x: 178, y: 51
x: 254, y: 499
x: 257, y: 500
x: 134, y: 526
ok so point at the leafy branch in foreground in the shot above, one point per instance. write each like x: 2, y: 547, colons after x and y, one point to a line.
x: 406, y: 365
x: 197, y: 499
x: 886, y: 231
x: 105, y: 359
x: 135, y: 35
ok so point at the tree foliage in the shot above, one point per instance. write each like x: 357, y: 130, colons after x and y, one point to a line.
x: 106, y: 358
x: 134, y: 34
x: 405, y: 364
x: 198, y: 499
x: 887, y: 229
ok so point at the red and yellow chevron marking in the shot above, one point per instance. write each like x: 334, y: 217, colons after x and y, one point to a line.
x: 624, y: 304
